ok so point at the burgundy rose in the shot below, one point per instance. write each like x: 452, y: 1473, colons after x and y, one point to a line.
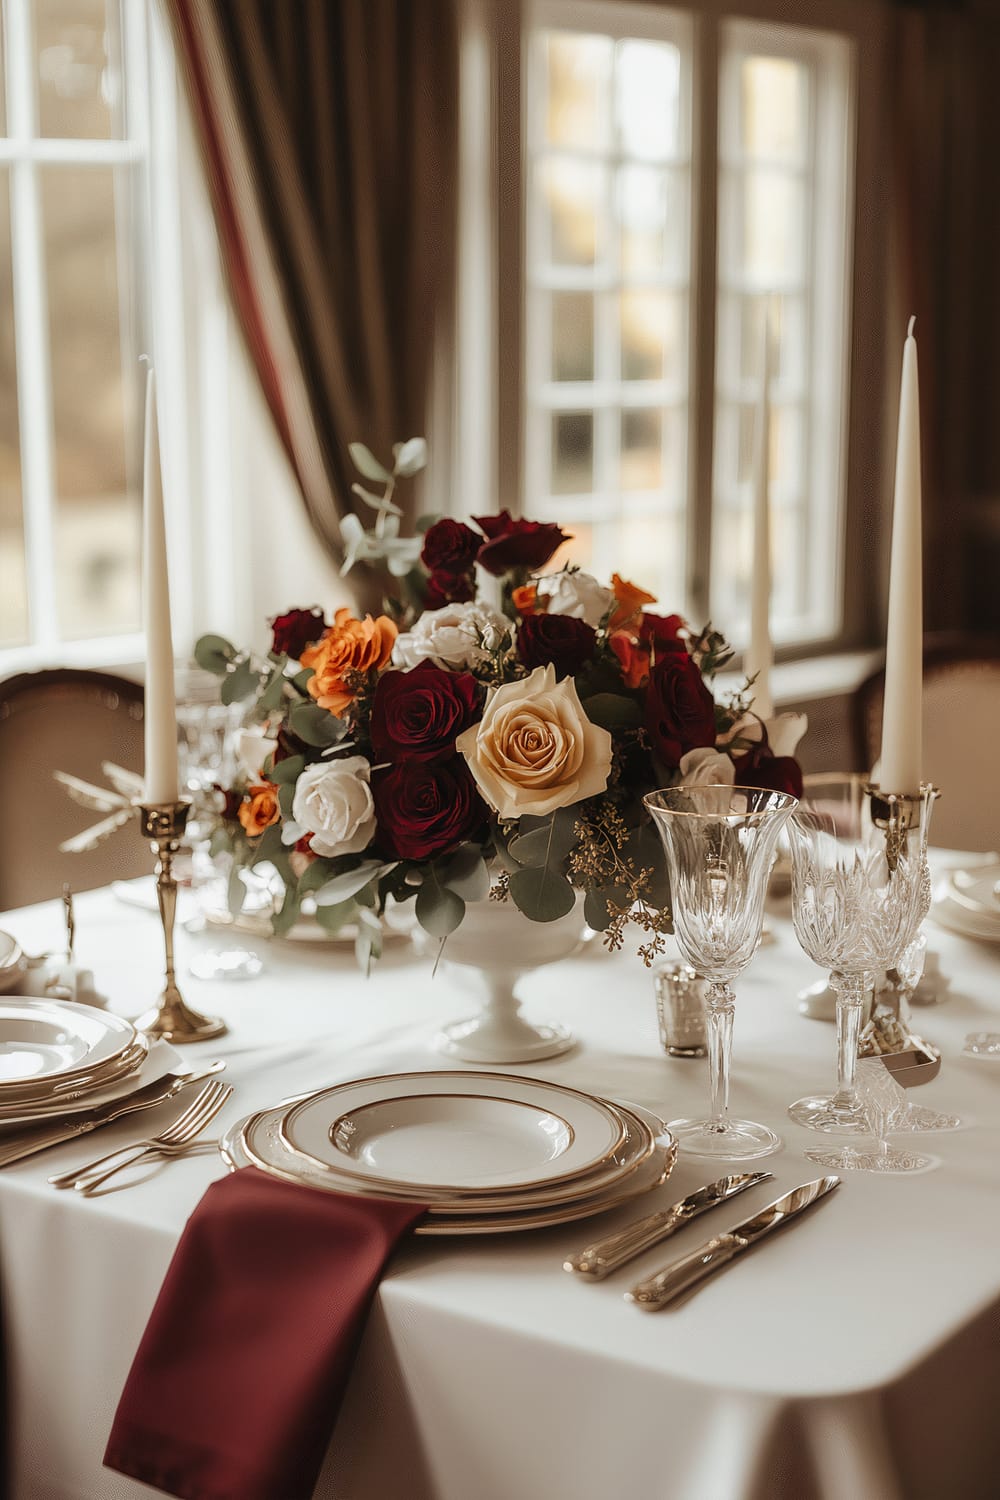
x: 773, y: 773
x: 661, y: 632
x: 424, y: 809
x: 296, y: 630
x: 418, y: 715
x: 680, y: 711
x: 450, y: 547
x: 559, y: 639
x: 514, y: 543
x: 448, y: 588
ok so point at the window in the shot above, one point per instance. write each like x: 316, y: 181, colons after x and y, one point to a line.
x: 72, y: 225
x: 652, y: 248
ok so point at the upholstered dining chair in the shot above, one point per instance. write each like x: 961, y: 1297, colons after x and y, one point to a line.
x: 67, y: 720
x: 961, y: 737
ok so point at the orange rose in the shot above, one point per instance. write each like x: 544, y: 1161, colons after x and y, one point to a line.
x: 349, y: 646
x: 261, y: 810
x: 633, y: 656
x: 630, y: 600
x: 525, y: 599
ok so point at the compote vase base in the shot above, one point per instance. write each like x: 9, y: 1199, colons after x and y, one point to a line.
x: 889, y: 1159
x: 506, y: 1039
x: 823, y: 1112
x: 737, y: 1140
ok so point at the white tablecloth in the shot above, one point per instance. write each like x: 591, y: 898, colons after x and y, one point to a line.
x: 854, y: 1357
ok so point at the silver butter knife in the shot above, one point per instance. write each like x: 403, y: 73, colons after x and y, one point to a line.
x: 684, y: 1275
x: 41, y: 1137
x: 599, y: 1260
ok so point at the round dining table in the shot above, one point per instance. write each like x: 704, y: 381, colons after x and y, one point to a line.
x: 855, y: 1356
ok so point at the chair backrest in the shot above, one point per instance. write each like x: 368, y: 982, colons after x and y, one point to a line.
x: 961, y: 736
x: 63, y: 720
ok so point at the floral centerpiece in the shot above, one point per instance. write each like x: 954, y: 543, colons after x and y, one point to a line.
x: 473, y: 742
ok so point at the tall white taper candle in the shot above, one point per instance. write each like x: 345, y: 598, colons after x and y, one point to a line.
x: 901, y: 717
x: 760, y: 652
x: 161, y: 704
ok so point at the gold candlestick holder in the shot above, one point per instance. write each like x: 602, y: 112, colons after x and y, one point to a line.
x: 163, y: 824
x: 898, y: 815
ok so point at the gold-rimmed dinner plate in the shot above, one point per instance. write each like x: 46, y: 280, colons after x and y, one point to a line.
x: 48, y: 1046
x: 77, y: 1092
x: 255, y: 1141
x: 454, y: 1131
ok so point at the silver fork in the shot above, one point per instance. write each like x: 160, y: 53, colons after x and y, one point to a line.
x: 174, y: 1138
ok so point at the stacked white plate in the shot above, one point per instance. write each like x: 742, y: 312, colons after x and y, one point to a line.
x: 57, y: 1057
x: 968, y: 902
x: 488, y: 1152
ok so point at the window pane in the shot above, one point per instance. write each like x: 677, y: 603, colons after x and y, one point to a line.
x: 651, y: 336
x: 578, y: 78
x: 13, y: 588
x: 773, y: 107
x: 572, y: 453
x: 652, y: 209
x: 571, y: 194
x: 650, y: 552
x: 773, y: 226
x: 647, y: 99
x: 78, y: 52
x: 93, y: 397
x: 641, y: 450
x: 572, y: 336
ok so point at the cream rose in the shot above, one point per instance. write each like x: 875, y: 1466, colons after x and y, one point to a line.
x: 333, y: 802
x: 535, y: 749
x: 706, y: 767
x: 576, y: 594
x: 458, y: 636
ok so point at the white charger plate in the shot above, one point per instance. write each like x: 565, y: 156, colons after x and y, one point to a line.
x: 160, y: 1059
x: 256, y: 1142
x: 45, y: 1041
x: 454, y: 1131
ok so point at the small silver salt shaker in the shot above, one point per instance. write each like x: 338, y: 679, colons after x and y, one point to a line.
x: 680, y: 1009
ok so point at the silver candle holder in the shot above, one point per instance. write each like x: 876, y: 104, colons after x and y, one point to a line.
x: 163, y: 824
x: 898, y: 815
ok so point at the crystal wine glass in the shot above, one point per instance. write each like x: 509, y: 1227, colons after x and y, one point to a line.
x: 852, y: 915
x: 720, y: 843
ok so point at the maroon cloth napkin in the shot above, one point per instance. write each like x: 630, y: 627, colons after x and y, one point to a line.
x: 237, y: 1382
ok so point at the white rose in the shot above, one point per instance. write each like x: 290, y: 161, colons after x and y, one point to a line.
x: 252, y: 747
x: 333, y: 802
x: 706, y: 767
x: 576, y: 594
x: 534, y: 749
x: 458, y: 637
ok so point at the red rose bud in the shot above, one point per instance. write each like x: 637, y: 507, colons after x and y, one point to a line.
x: 418, y: 715
x: 296, y: 630
x: 559, y: 639
x: 662, y: 632
x: 680, y: 710
x: 450, y: 547
x: 448, y: 588
x: 773, y: 773
x: 423, y: 810
x: 514, y: 543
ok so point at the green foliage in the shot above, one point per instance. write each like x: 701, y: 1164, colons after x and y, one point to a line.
x: 316, y: 726
x: 367, y: 464
x: 213, y: 653
x: 287, y: 771
x: 240, y: 681
x: 613, y: 711
x: 542, y: 893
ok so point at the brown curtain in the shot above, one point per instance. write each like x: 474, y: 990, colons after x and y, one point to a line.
x: 946, y: 139
x: 330, y: 137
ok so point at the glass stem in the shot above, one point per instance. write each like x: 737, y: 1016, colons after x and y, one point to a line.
x: 719, y: 1010
x: 850, y: 1002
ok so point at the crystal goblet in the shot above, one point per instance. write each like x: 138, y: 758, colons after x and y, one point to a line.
x: 720, y: 843
x: 853, y: 915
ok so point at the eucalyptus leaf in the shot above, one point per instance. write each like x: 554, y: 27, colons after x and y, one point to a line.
x: 424, y: 523
x: 284, y: 772
x: 213, y: 653
x: 613, y: 711
x: 239, y: 683
x: 236, y: 891
x: 221, y: 841
x: 349, y: 882
x: 287, y: 915
x: 333, y: 918
x: 376, y: 502
x: 315, y: 874
x: 439, y: 910
x: 595, y: 911
x: 543, y: 894
x: 286, y: 796
x: 410, y: 457
x: 316, y: 726
x: 273, y: 691
x: 291, y: 831
x: 302, y: 679
x: 367, y: 464
x: 466, y: 874
x: 268, y: 845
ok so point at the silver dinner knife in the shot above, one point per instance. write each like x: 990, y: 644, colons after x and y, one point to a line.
x: 599, y: 1260
x: 684, y: 1275
x: 41, y: 1137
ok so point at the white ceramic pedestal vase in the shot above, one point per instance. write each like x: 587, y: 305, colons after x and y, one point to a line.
x: 501, y: 943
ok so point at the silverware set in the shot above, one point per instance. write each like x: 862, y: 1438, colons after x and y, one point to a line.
x: 683, y: 1276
